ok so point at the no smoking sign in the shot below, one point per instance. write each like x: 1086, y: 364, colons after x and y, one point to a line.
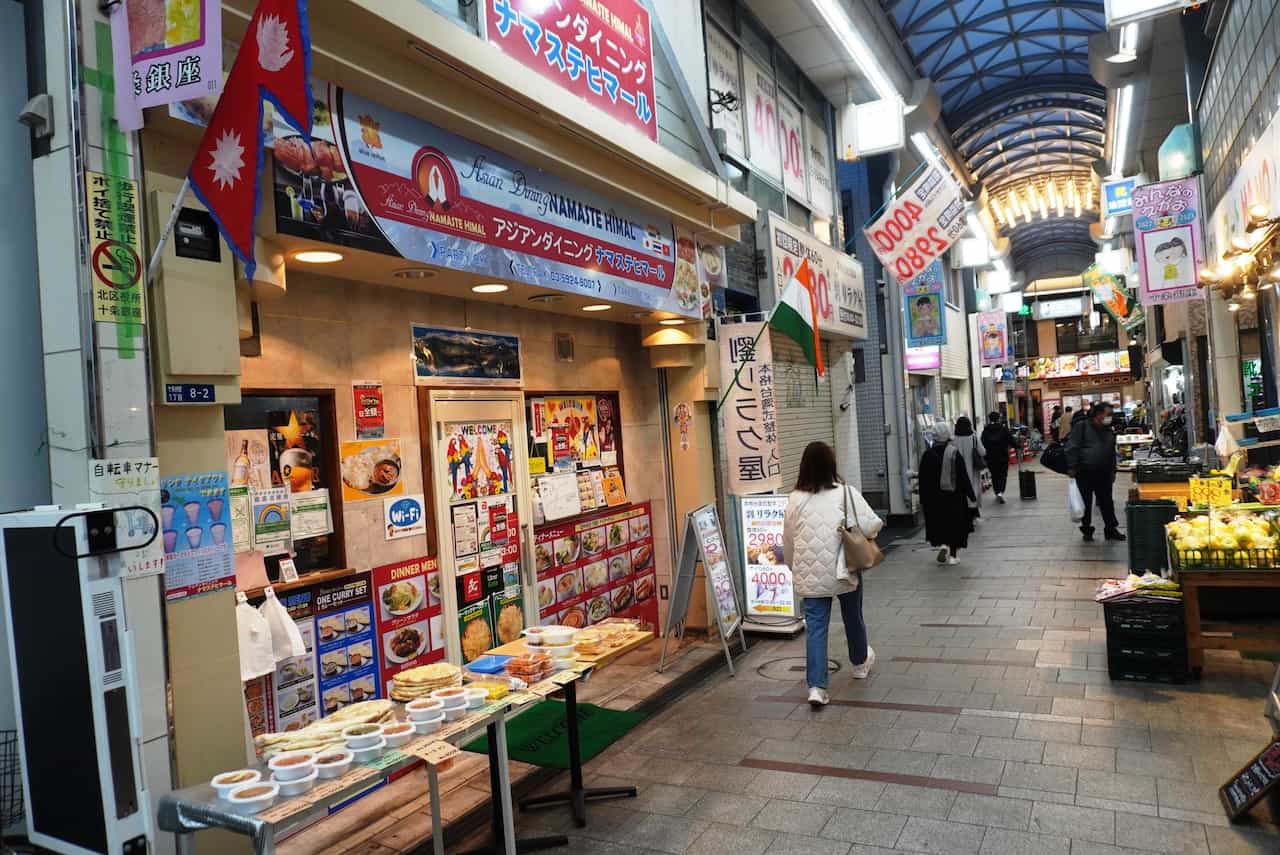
x: 116, y: 264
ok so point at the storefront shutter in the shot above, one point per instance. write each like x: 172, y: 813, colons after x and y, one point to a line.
x: 804, y: 413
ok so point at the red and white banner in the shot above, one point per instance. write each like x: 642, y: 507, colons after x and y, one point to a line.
x: 597, y: 49
x: 919, y: 225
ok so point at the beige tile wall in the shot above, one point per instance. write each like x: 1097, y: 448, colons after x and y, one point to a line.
x: 326, y: 332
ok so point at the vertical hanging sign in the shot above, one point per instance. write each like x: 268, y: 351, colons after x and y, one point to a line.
x: 164, y: 51
x: 1170, y: 246
x: 993, y: 338
x: 749, y: 416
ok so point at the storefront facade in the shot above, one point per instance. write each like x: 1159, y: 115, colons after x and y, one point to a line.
x: 492, y: 446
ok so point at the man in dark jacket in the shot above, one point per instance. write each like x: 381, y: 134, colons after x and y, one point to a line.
x: 1091, y: 460
x: 996, y: 442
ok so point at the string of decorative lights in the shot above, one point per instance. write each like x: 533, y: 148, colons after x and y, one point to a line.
x: 1050, y: 197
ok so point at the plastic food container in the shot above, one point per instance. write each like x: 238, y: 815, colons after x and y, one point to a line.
x: 476, y: 698
x: 292, y: 765
x: 334, y: 764
x: 361, y: 735
x: 429, y: 725
x: 371, y: 752
x: 424, y: 709
x: 397, y: 733
x: 452, y: 698
x: 539, y: 636
x: 558, y: 651
x: 488, y: 664
x: 228, y: 781
x: 455, y: 713
x: 296, y: 786
x: 255, y: 797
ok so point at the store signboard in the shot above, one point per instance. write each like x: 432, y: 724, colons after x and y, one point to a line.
x: 993, y: 338
x: 872, y: 127
x: 380, y: 180
x: 761, y: 109
x: 1071, y: 307
x: 919, y: 225
x: 598, y: 566
x: 821, y: 185
x: 791, y: 132
x: 749, y: 415
x: 1117, y: 196
x: 1121, y: 12
x: 194, y: 534
x: 1170, y: 245
x: 724, y: 79
x: 598, y: 50
x: 1256, y: 182
x: 407, y: 612
x: 769, y: 588
x: 839, y: 295
x: 923, y: 358
x: 167, y: 51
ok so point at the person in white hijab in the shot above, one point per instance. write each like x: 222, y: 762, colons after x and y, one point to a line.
x: 945, y: 493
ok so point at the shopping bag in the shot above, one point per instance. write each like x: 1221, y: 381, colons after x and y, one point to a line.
x: 1075, y: 503
x: 1055, y: 458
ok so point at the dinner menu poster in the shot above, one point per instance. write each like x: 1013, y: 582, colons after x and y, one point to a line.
x: 597, y: 566
x: 407, y: 611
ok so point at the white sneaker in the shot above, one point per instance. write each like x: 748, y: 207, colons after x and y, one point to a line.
x: 954, y: 559
x: 977, y: 521
x: 861, y: 672
x: 1000, y: 498
x: 942, y: 555
x: 818, y: 697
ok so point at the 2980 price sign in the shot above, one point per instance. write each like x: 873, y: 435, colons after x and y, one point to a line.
x: 918, y: 226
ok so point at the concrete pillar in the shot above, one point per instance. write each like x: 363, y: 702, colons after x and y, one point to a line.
x: 1224, y: 357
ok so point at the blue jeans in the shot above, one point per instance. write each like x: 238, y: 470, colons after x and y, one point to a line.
x: 817, y: 618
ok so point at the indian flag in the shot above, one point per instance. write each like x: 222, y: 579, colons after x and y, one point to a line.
x: 796, y: 314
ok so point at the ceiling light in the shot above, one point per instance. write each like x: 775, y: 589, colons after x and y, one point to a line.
x: 1120, y: 131
x: 839, y: 23
x: 317, y: 256
x: 489, y: 288
x: 597, y: 307
x: 1259, y: 211
x: 414, y: 273
x: 672, y: 322
x: 1242, y: 243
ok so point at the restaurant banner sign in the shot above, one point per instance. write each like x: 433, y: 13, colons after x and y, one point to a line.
x: 1170, y: 246
x: 750, y: 413
x: 377, y: 179
x: 919, y: 225
x: 839, y: 294
x: 599, y: 50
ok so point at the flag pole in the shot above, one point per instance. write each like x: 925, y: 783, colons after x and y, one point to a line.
x: 738, y: 371
x: 165, y: 232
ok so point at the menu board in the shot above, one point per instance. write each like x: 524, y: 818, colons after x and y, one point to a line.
x: 407, y: 613
x: 1248, y: 786
x: 716, y: 563
x: 340, y: 665
x: 597, y: 567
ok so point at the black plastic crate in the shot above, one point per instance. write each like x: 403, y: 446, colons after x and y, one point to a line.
x: 1144, y: 670
x: 1159, y: 655
x: 1144, y: 617
x: 1148, y: 540
x: 1164, y: 471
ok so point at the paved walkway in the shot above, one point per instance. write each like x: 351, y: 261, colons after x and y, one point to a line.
x: 988, y: 726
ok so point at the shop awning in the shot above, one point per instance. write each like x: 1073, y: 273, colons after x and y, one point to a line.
x: 417, y: 61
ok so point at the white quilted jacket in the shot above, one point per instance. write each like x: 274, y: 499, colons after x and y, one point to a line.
x: 811, y: 540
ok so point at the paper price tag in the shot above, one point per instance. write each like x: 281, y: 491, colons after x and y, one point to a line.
x: 284, y: 810
x: 1266, y: 424
x: 519, y: 699
x: 432, y: 751
x: 387, y: 760
x: 564, y: 678
x: 546, y: 687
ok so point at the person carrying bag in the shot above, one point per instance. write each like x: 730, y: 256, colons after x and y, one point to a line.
x: 860, y: 552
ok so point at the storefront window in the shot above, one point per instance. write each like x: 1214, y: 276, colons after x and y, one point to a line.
x: 290, y: 440
x: 1081, y: 335
x: 1024, y: 334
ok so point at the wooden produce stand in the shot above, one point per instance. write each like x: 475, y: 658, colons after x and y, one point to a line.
x: 1225, y: 635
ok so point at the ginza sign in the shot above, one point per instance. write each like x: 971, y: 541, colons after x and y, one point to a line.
x: 918, y: 226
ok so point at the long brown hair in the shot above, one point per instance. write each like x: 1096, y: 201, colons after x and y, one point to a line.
x: 817, y: 468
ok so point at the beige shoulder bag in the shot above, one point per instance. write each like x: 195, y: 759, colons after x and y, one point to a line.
x: 860, y: 551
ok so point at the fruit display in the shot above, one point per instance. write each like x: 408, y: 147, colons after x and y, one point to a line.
x: 1224, y: 539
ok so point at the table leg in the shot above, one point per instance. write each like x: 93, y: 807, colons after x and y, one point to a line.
x: 498, y: 733
x: 437, y: 816
x: 578, y: 794
x: 503, y: 823
x: 1195, y: 639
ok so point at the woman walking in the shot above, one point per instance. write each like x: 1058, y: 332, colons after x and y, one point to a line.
x: 971, y: 453
x: 945, y: 493
x: 811, y: 541
x: 996, y: 443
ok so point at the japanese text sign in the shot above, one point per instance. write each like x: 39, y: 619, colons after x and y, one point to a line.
x: 1117, y: 196
x: 839, y: 294
x: 725, y: 79
x: 993, y: 338
x: 193, y: 529
x: 434, y: 197
x: 750, y: 413
x: 132, y: 483
x: 1170, y: 246
x: 599, y: 50
x: 115, y: 249
x: 167, y: 50
x: 370, y: 409
x: 924, y: 309
x: 919, y: 225
x: 769, y: 588
x: 761, y: 107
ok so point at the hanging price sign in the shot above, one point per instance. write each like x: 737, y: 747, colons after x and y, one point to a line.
x: 919, y: 225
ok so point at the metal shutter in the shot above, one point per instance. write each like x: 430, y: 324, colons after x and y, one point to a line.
x: 804, y: 413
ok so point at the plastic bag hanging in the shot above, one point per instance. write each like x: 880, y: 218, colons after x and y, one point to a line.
x: 1075, y: 502
x: 257, y: 657
x: 286, y: 640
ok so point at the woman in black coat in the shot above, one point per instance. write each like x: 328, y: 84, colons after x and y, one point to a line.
x: 996, y: 442
x: 945, y: 494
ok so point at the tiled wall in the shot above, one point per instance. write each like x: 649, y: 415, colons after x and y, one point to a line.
x: 326, y: 332
x: 1241, y: 92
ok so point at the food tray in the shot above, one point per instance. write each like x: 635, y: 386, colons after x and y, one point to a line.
x: 489, y: 664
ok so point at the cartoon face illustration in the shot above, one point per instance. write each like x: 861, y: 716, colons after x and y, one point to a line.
x: 1172, y: 252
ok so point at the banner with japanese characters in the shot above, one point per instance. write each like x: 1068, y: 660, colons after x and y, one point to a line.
x: 749, y: 415
x: 993, y: 338
x: 164, y: 51
x: 919, y: 225
x: 115, y: 249
x: 839, y: 294
x: 598, y: 50
x: 769, y: 589
x: 384, y: 181
x: 132, y: 484
x: 1170, y: 246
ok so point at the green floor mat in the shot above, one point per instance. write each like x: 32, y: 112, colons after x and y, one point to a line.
x: 540, y: 735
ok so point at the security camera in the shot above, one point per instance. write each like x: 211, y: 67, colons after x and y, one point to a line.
x: 37, y: 114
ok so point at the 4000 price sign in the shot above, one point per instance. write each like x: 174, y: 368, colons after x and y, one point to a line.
x: 919, y: 225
